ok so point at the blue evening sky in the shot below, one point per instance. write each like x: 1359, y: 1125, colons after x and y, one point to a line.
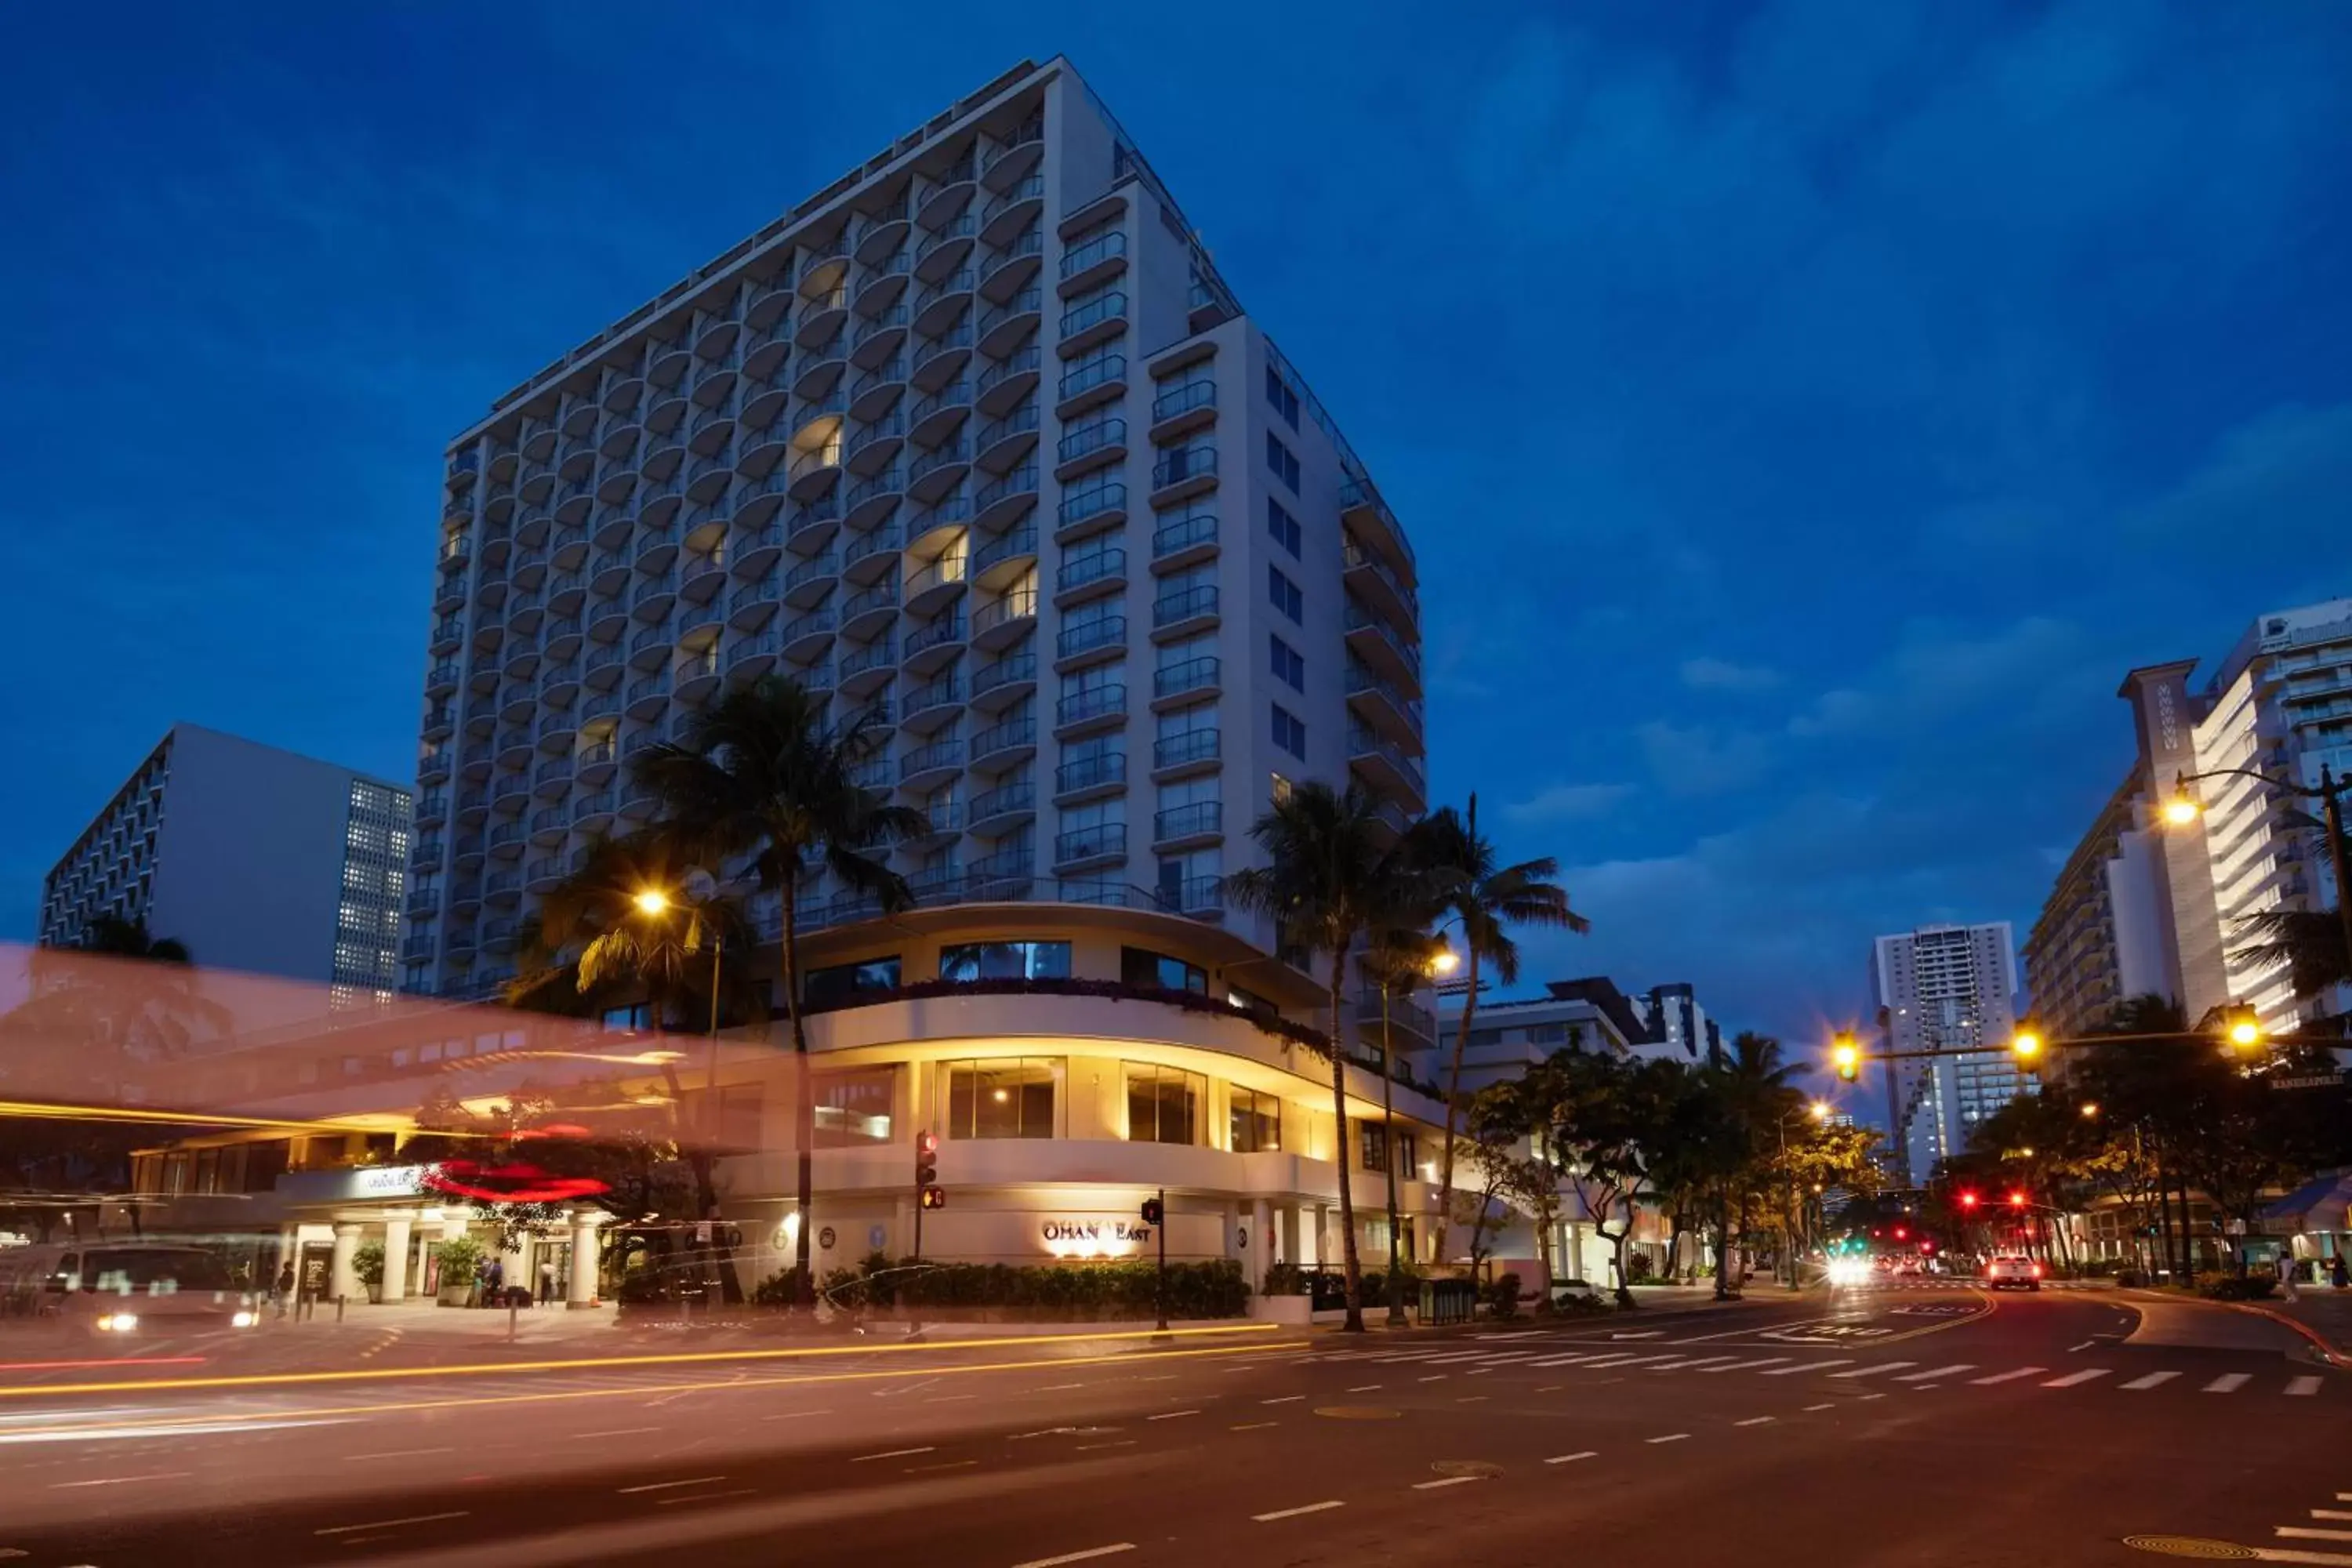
x: 1805, y: 412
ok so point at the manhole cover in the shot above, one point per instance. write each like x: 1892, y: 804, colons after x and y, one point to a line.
x: 2190, y: 1546
x: 1356, y: 1411
x: 1480, y: 1469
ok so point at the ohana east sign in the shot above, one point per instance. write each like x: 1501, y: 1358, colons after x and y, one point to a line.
x: 1090, y: 1237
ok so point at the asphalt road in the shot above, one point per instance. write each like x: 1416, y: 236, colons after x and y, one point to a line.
x: 1922, y: 1427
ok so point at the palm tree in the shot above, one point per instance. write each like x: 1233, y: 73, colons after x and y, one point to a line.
x: 1325, y: 883
x: 149, y: 1008
x: 1755, y: 1085
x: 2308, y: 943
x: 1397, y: 960
x: 764, y: 775
x: 1487, y: 897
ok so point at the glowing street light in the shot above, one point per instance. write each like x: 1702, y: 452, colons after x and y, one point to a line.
x: 1819, y: 1110
x: 2090, y: 1110
x: 2182, y: 809
x: 652, y: 901
x: 2244, y: 1028
x: 1443, y: 961
x: 2026, y: 1047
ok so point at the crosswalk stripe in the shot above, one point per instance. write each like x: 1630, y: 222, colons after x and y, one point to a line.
x: 1710, y: 1364
x: 1745, y: 1365
x: 2228, y: 1382
x: 1562, y: 1360
x: 1807, y: 1366
x: 1939, y: 1372
x: 2152, y: 1379
x: 2303, y: 1533
x: 2072, y: 1378
x: 2301, y: 1386
x: 2330, y: 1514
x: 2007, y: 1376
x: 1874, y: 1371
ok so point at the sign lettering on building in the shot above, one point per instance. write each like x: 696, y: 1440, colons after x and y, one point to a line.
x: 1081, y: 1237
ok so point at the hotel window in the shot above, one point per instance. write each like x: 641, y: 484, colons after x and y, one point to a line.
x: 1284, y: 595
x: 1289, y: 732
x: 853, y: 1109
x: 1280, y: 793
x: 1164, y: 1105
x: 1290, y: 664
x: 1374, y: 1141
x: 1283, y: 462
x: 1256, y: 1121
x: 840, y: 984
x: 1010, y: 1096
x: 1282, y: 526
x: 1285, y: 402
x: 1141, y: 966
x: 1005, y: 961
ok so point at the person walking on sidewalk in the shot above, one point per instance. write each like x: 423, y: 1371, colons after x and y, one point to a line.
x: 284, y: 1292
x: 2287, y: 1269
x: 2339, y: 1277
x: 546, y: 1281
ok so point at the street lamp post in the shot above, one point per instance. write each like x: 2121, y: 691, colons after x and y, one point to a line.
x: 1441, y: 961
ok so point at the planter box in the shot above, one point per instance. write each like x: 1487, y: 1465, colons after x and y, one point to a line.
x: 455, y: 1295
x: 1282, y: 1308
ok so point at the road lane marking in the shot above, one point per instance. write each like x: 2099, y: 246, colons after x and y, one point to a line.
x: 1056, y: 1387
x: 2301, y: 1386
x: 1669, y: 1438
x: 949, y: 1398
x: 1445, y: 1481
x: 1251, y: 1426
x: 1285, y: 1399
x: 895, y: 1454
x: 1172, y: 1415
x: 1294, y: 1512
x: 123, y: 1481
x: 1709, y: 1363
x: 788, y: 1415
x: 1090, y: 1551
x: 2007, y: 1376
x: 2330, y: 1514
x: 1434, y: 1377
x: 1811, y: 1408
x: 1565, y: 1360
x: 926, y: 1469
x: 2304, y: 1533
x: 1807, y: 1366
x: 1361, y: 1388
x: 389, y: 1523
x: 2153, y: 1380
x: 2228, y: 1382
x: 1753, y: 1421
x: 1122, y: 1443
x: 1471, y: 1399
x: 1939, y: 1372
x: 1874, y: 1371
x: 1750, y: 1366
x: 1551, y: 1388
x: 396, y: 1454
x: 672, y: 1486
x: 1571, y: 1458
x: 2072, y: 1378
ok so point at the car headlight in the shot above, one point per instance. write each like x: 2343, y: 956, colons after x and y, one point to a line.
x: 118, y: 1323
x: 243, y: 1321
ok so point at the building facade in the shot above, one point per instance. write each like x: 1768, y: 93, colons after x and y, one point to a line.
x: 2105, y: 933
x: 262, y: 862
x: 975, y: 439
x: 1945, y: 987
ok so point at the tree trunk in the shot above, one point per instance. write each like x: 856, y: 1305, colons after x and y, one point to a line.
x: 804, y: 1091
x: 1387, y: 1125
x: 1453, y: 1099
x: 1353, y: 1271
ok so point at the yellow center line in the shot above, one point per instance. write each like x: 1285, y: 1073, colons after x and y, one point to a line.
x: 166, y: 1422
x: 674, y: 1358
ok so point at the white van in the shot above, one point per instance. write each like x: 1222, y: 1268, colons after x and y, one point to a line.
x: 123, y: 1288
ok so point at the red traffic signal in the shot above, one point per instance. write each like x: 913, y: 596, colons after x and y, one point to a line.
x: 2017, y: 1200
x: 1927, y: 1247
x: 1902, y: 1233
x: 935, y: 1197
x: 1152, y: 1211
x: 1969, y: 1200
x: 926, y: 1159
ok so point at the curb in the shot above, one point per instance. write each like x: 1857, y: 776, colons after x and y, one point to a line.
x: 2320, y: 1343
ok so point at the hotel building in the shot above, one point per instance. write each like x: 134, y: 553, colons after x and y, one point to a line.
x: 976, y: 439
x: 1947, y: 987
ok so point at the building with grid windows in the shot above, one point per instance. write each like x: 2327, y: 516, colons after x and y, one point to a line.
x: 260, y: 860
x: 1949, y: 988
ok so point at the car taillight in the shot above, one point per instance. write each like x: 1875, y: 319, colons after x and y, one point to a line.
x: 2037, y: 1271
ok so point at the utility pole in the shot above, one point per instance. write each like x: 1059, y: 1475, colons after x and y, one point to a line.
x: 1159, y: 1289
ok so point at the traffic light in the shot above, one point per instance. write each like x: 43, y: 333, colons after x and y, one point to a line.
x: 2017, y: 1199
x: 1152, y: 1211
x: 1969, y: 1201
x: 1902, y: 1233
x: 929, y: 1193
x: 1845, y: 1055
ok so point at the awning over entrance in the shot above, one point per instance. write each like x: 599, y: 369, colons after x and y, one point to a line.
x: 2321, y: 1204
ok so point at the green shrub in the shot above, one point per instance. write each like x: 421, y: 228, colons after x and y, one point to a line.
x: 1283, y: 1279
x: 1638, y: 1268
x: 1503, y: 1296
x: 2231, y: 1288
x: 367, y: 1263
x: 460, y: 1256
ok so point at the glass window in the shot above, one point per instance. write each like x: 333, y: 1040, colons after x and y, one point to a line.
x: 838, y: 984
x: 1282, y: 462
x: 1289, y: 732
x: 853, y: 1107
x: 1375, y: 1143
x: 1008, y: 1096
x: 1290, y: 664
x: 1141, y: 966
x: 1005, y: 961
x: 1284, y: 595
x: 1281, y: 525
x: 1284, y: 400
x: 1164, y: 1105
x: 1256, y: 1121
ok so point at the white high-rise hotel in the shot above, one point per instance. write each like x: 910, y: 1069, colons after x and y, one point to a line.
x: 1947, y: 987
x: 976, y: 436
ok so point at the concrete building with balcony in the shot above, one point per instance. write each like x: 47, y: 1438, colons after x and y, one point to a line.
x: 2105, y: 933
x: 1946, y: 988
x: 975, y: 438
x: 260, y: 860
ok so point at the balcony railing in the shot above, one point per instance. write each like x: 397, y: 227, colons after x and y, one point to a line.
x: 1093, y: 499
x: 1006, y: 671
x: 1194, y: 528
x: 1183, y: 400
x: 1178, y: 464
x: 1184, y: 604
x: 1094, y: 250
x: 1193, y: 675
x: 1104, y: 768
x: 1101, y: 703
x: 1016, y: 605
x: 1111, y: 307
x: 1090, y: 843
x: 1004, y: 737
x: 1184, y: 749
x: 1085, y: 636
x: 1088, y: 374
x: 1077, y: 571
x: 946, y: 754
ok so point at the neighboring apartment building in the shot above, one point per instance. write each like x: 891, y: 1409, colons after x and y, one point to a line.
x: 259, y: 860
x: 1591, y: 1013
x: 2280, y: 703
x: 975, y: 438
x: 2104, y: 934
x: 1947, y: 987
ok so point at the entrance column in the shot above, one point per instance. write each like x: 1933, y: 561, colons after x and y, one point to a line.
x: 583, y: 1284
x: 341, y: 1280
x: 395, y: 1256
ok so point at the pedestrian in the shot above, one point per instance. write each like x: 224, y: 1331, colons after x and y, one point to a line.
x: 546, y: 1281
x: 482, y: 1282
x: 2287, y: 1270
x: 498, y: 1281
x: 2339, y: 1276
x: 284, y: 1292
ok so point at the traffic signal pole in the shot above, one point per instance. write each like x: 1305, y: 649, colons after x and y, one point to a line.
x: 1159, y: 1287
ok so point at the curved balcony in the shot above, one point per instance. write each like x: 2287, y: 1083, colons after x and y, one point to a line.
x: 934, y: 645
x: 864, y: 669
x: 1091, y: 777
x: 1185, y: 613
x: 599, y: 706
x: 1387, y: 767
x: 664, y: 420
x: 931, y: 705
x: 1002, y: 745
x: 875, y: 341
x: 940, y: 359
x: 752, y: 603
x: 711, y: 430
x: 701, y: 574
x: 808, y: 582
x: 1011, y: 268
x: 1090, y: 849
x: 608, y: 621
x: 565, y: 590
x: 619, y: 437
x: 866, y: 612
x: 803, y: 637
x: 697, y: 676
x: 650, y: 648
x: 813, y: 524
x: 1000, y: 560
x: 1018, y: 156
x: 1182, y: 471
x: 928, y: 767
x: 953, y: 194
x: 825, y: 308
x: 876, y: 443
x: 1186, y: 408
x: 941, y: 304
x: 1186, y: 540
x: 820, y: 369
x: 549, y: 824
x: 765, y: 348
x: 1001, y: 682
x: 1007, y: 214
x: 521, y: 659
x: 1004, y: 621
x: 937, y: 414
x: 708, y: 478
x: 883, y: 233
x: 442, y: 679
x: 1178, y: 685
x: 593, y: 813
x: 1082, y: 642
x: 516, y: 702
x: 698, y: 617
x: 608, y: 576
x: 503, y: 888
x: 944, y: 248
x: 660, y: 502
x: 1092, y: 264
x: 865, y: 556
x: 1091, y: 575
x: 656, y: 547
x: 510, y: 792
x: 598, y: 760
x: 1097, y: 444
x: 560, y: 681
x: 934, y: 473
x: 1096, y: 322
x: 567, y: 549
x: 608, y: 528
x: 749, y: 658
x: 935, y: 582
x: 449, y: 591
x: 757, y: 501
x: 648, y: 695
x: 667, y: 358
x: 1382, y: 648
x: 1089, y: 382
x: 1185, y: 752
x: 873, y: 393
x: 1004, y: 328
x: 440, y: 722
x: 574, y: 498
x: 476, y: 761
x: 873, y: 498
x: 1009, y: 381
x: 616, y: 483
x: 1003, y: 443
x: 702, y: 530
x: 652, y: 600
x: 814, y: 471
x: 714, y: 383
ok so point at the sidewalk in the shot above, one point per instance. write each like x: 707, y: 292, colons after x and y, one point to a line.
x: 2323, y: 1310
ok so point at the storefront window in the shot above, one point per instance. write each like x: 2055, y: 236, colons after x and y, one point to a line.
x: 1141, y: 966
x: 1256, y: 1121
x: 1164, y: 1105
x: 1005, y: 961
x: 1009, y: 1097
x: 853, y: 1109
x: 839, y: 985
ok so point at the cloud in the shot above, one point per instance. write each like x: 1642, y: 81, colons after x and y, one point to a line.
x: 1566, y: 802
x: 1699, y: 759
x: 1703, y: 674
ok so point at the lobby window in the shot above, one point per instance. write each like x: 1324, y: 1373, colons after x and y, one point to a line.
x: 1278, y: 394
x: 1290, y: 664
x: 1008, y: 1096
x: 853, y: 1109
x: 1256, y: 1121
x: 1164, y: 1105
x: 1005, y: 961
x: 1284, y: 595
x: 1282, y: 526
x: 1282, y: 462
x: 1289, y: 732
x: 1141, y: 966
x: 840, y: 984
